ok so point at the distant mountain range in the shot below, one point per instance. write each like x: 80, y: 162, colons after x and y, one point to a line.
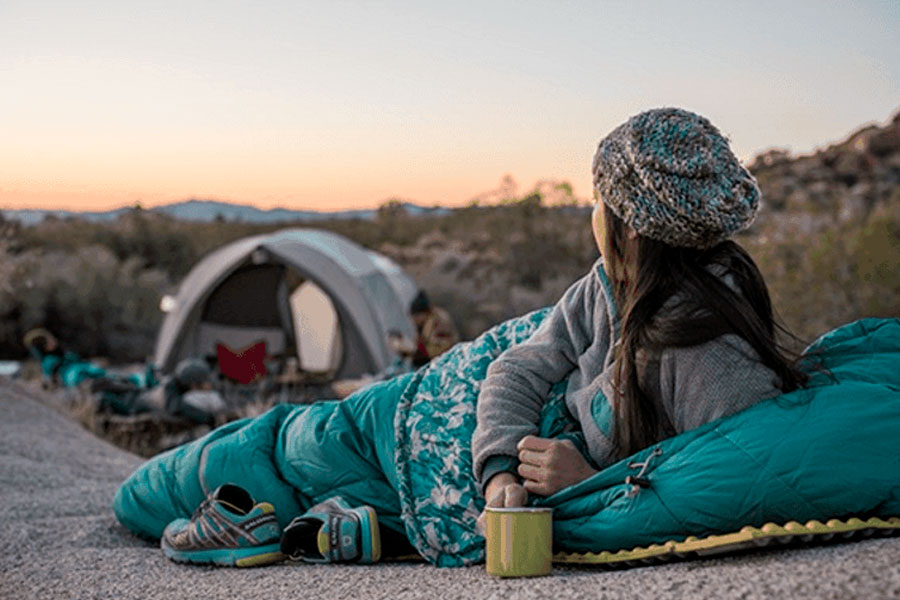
x: 210, y: 210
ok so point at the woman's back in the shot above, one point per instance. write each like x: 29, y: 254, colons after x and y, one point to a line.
x: 688, y: 385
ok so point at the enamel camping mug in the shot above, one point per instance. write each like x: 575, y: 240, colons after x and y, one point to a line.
x: 519, y: 541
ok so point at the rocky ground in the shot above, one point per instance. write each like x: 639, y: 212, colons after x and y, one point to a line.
x: 845, y: 181
x: 62, y: 541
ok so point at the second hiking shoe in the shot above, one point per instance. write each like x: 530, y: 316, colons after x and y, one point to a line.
x: 333, y: 531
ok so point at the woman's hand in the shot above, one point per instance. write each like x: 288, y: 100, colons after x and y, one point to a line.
x: 505, y: 491
x: 502, y: 491
x: 549, y: 465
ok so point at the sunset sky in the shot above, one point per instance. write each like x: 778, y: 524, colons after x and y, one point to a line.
x: 331, y: 104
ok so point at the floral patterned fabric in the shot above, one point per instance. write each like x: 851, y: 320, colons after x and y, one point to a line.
x: 434, y: 423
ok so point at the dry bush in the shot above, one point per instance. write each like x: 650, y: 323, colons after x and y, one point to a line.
x: 95, y: 303
x: 832, y: 276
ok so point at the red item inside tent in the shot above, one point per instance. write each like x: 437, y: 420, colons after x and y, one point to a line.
x: 242, y: 366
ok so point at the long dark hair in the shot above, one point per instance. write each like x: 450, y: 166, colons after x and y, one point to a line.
x: 707, y: 307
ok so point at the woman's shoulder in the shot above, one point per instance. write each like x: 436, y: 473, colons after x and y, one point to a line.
x: 585, y: 304
x: 591, y: 283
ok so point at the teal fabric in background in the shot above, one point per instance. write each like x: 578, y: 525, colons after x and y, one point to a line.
x: 69, y: 368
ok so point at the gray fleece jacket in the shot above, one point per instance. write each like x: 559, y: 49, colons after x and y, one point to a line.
x: 575, y: 342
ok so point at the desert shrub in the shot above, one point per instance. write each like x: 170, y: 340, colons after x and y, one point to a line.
x: 95, y: 303
x: 827, y: 278
x: 486, y: 264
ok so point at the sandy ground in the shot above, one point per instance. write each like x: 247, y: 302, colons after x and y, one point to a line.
x: 61, y: 540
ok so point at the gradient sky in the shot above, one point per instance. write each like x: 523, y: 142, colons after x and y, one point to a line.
x: 334, y: 104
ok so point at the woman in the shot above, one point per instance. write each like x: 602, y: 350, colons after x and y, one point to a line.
x: 672, y: 330
x: 693, y: 338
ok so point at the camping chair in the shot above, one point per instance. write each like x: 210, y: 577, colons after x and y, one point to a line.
x: 243, y: 366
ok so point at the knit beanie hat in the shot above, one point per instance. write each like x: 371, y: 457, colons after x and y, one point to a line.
x: 671, y: 176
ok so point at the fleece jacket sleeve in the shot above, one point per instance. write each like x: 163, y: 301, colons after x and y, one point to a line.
x: 518, y: 381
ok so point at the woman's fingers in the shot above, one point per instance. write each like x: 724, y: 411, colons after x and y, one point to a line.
x: 531, y: 472
x: 480, y: 524
x: 508, y: 496
x: 536, y: 479
x: 537, y: 487
x: 498, y: 498
x: 531, y: 442
x: 515, y: 496
x: 533, y: 457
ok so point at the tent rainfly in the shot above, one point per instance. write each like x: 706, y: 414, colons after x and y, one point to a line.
x: 307, y: 293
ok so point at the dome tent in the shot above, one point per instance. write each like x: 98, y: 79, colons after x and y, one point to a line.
x: 336, y: 320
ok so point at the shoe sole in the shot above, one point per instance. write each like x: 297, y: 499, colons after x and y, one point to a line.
x: 371, y: 537
x: 227, y: 557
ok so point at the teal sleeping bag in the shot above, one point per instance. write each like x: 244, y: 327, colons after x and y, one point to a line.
x: 291, y: 456
x: 402, y: 446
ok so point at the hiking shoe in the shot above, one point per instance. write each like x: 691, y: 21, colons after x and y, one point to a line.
x: 333, y: 531
x: 226, y: 529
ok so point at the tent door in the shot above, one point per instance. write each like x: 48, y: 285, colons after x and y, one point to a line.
x: 317, y: 329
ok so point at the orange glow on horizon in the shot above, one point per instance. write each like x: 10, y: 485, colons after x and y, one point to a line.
x: 91, y: 199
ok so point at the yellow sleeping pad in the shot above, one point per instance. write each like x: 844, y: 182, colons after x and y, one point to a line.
x: 748, y: 537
